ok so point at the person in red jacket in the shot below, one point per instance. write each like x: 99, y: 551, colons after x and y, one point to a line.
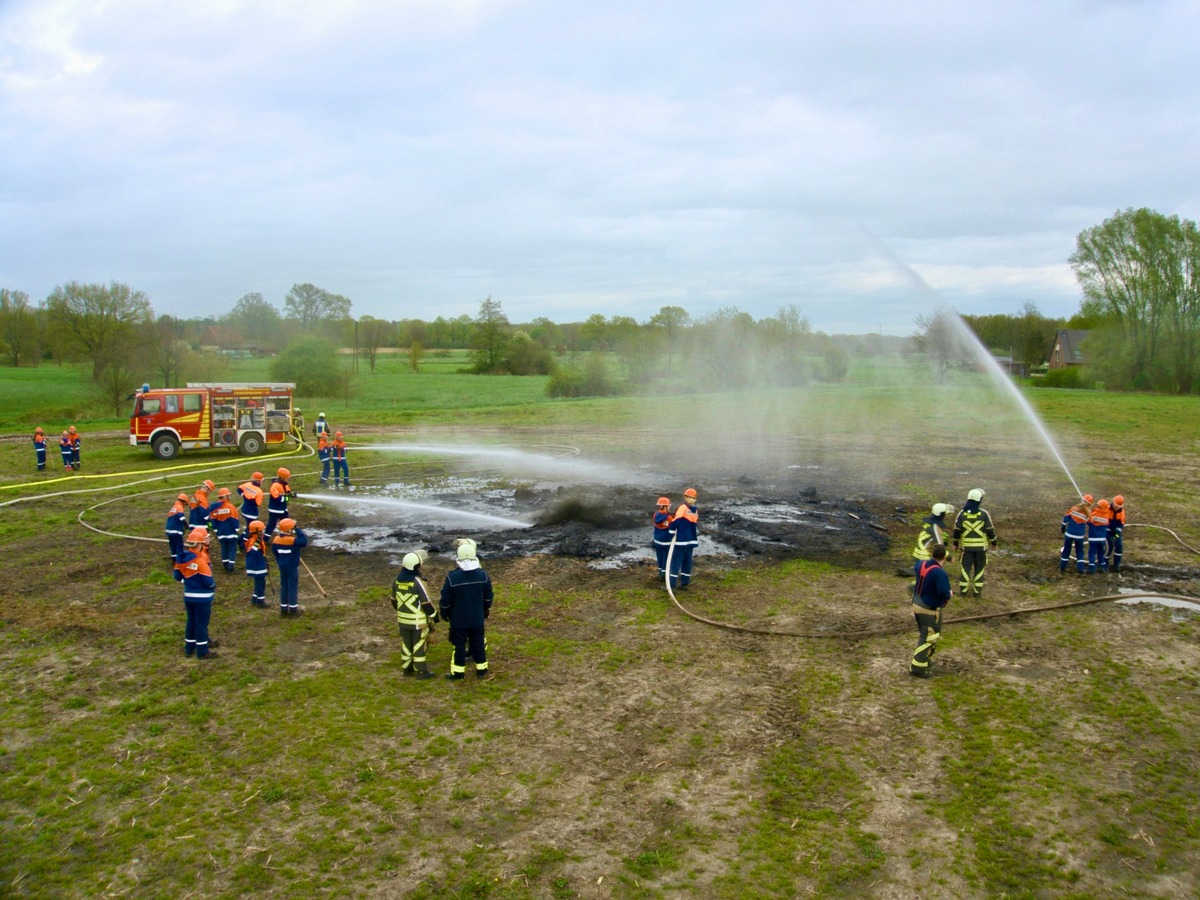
x: 685, y: 532
x: 76, y: 444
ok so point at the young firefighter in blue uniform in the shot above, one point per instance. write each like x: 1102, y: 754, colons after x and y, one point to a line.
x: 685, y: 532
x: 39, y: 448
x: 200, y: 504
x: 76, y: 446
x: 286, y: 544
x: 1116, y: 525
x: 177, y: 526
x: 193, y: 569
x: 341, y: 468
x: 930, y: 597
x: 415, y: 616
x: 1074, y: 529
x: 252, y: 495
x: 324, y: 454
x: 224, y: 518
x: 68, y: 454
x: 660, y: 539
x: 277, y: 502
x: 255, y: 548
x: 466, y: 602
x: 1098, y: 538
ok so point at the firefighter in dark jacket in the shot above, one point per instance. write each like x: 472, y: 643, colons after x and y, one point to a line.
x: 661, y: 539
x: 286, y: 544
x: 1074, y: 531
x: 68, y: 453
x: 277, y: 502
x: 255, y: 548
x: 466, y: 602
x: 930, y: 597
x: 224, y: 518
x: 973, y: 533
x: 933, y: 531
x: 415, y: 616
x: 76, y: 445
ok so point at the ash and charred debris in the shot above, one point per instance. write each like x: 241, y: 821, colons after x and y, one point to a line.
x: 613, y: 521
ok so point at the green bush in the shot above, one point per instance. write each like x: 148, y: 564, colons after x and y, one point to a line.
x: 1063, y: 378
x: 312, y: 364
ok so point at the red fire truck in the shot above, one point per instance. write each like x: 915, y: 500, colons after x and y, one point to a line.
x: 238, y: 416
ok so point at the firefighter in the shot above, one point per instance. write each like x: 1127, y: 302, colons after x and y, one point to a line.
x: 933, y: 531
x: 177, y: 526
x: 930, y: 597
x: 277, y: 502
x: 415, y: 616
x: 68, y: 454
x: 39, y: 448
x: 324, y: 454
x: 224, y: 518
x: 466, y: 603
x: 338, y: 452
x: 685, y: 534
x: 286, y: 544
x: 1074, y: 530
x: 1097, y: 531
x: 252, y: 496
x: 255, y: 548
x: 320, y: 426
x: 200, y: 504
x: 193, y: 569
x: 661, y: 536
x: 1116, y: 524
x: 973, y: 533
x: 76, y: 443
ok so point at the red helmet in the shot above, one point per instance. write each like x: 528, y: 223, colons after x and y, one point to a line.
x: 71, y: 429
x: 38, y: 430
x: 183, y: 498
x: 1101, y: 504
x: 207, y: 485
x: 1088, y: 498
x: 285, y: 474
x: 664, y: 501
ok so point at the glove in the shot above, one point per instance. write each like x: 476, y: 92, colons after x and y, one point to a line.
x: 956, y: 545
x: 993, y: 545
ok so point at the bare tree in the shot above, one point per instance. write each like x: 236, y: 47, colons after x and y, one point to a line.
x: 94, y: 321
x: 20, y: 336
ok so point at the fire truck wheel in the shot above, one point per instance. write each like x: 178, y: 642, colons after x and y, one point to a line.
x: 251, y: 444
x: 166, y: 447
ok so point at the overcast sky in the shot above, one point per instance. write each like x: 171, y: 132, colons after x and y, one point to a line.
x: 571, y: 158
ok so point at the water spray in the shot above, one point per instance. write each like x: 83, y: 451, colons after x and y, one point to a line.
x: 479, y: 518
x: 971, y: 342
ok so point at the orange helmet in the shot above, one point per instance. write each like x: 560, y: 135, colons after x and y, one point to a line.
x: 690, y: 493
x: 207, y: 485
x: 183, y: 498
x: 71, y: 429
x: 1101, y: 504
x: 287, y: 525
x: 256, y: 526
x: 664, y: 501
x: 285, y: 474
x: 223, y: 493
x: 38, y: 430
x: 338, y: 435
x: 1118, y: 501
x: 1088, y: 498
x: 257, y: 476
x: 198, y: 536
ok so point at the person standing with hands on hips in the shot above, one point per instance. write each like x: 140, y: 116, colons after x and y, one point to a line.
x: 466, y: 602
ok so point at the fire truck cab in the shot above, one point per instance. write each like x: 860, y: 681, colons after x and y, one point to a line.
x: 246, y: 417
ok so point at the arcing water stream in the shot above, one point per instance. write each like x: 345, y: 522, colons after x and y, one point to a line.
x: 439, y: 511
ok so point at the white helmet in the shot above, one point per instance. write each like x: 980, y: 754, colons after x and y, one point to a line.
x: 940, y: 509
x: 412, y: 560
x: 466, y: 549
x: 975, y: 494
